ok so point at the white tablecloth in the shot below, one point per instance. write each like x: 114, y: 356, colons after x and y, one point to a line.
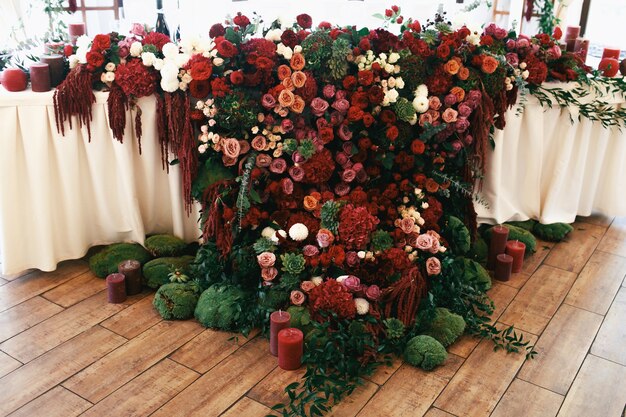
x: 61, y: 195
x: 547, y: 168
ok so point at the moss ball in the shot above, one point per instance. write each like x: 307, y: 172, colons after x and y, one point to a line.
x: 446, y: 327
x: 526, y: 225
x: 157, y: 271
x: 517, y: 233
x: 165, y: 245
x: 222, y: 307
x: 176, y: 301
x: 106, y: 261
x: 425, y: 352
x: 554, y: 232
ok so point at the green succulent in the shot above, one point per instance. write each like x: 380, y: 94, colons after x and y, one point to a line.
x: 176, y: 301
x: 264, y: 244
x: 106, y: 261
x: 404, y: 109
x: 178, y: 275
x: 290, y: 145
x: 394, y: 328
x: 293, y: 263
x: 223, y: 307
x: 317, y: 48
x: 306, y: 148
x: 446, y: 327
x: 289, y: 282
x: 165, y: 245
x: 381, y: 240
x: 157, y: 271
x: 425, y: 352
x: 330, y: 216
x: 337, y: 64
x: 554, y: 232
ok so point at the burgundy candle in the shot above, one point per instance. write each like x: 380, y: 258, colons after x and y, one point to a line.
x: 516, y: 249
x: 14, y: 79
x: 504, y: 265
x: 584, y: 49
x: 76, y: 30
x: 622, y: 68
x: 611, y: 53
x: 572, y: 32
x: 570, y: 45
x: 116, y: 288
x: 57, y: 68
x: 278, y: 320
x: 52, y: 48
x: 499, y: 236
x: 40, y: 78
x: 132, y: 271
x: 290, y: 348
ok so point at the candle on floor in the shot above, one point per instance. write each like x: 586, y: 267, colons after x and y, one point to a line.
x: 278, y: 320
x: 499, y: 236
x: 57, y: 68
x: 14, y: 79
x: 290, y: 348
x: 116, y: 288
x: 76, y: 30
x: 611, y: 53
x: 516, y: 249
x: 572, y: 32
x: 40, y: 78
x: 504, y: 265
x: 132, y: 271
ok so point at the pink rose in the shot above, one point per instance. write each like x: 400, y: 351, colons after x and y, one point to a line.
x: 342, y: 189
x: 352, y: 259
x: 461, y: 125
x: 434, y: 234
x: 329, y: 91
x: 268, y: 274
x: 464, y: 110
x: 263, y: 161
x: 348, y: 175
x: 266, y: 259
x: 268, y: 101
x: 297, y: 173
x: 286, y: 125
x: 231, y: 148
x: 307, y: 286
x: 325, y: 238
x: 450, y: 100
x: 245, y: 147
x: 341, y: 158
x: 287, y: 186
x: 373, y: 292
x: 318, y: 106
x: 424, y: 242
x: 435, y: 247
x: 425, y: 118
x: 554, y: 52
x: 341, y: 94
x: 449, y: 115
x: 407, y: 224
x: 433, y: 266
x: 297, y: 297
x: 341, y: 105
x: 297, y: 157
x: 228, y: 161
x: 310, y: 250
x: 434, y: 103
x: 457, y: 145
x: 344, y: 133
x: 352, y: 283
x: 278, y: 166
x: 513, y: 59
x: 336, y: 118
x: 523, y: 43
x: 500, y: 33
x: 258, y: 143
x: 361, y: 175
x: 138, y: 29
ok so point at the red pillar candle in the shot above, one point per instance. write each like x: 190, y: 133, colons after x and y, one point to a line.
x: 584, y: 49
x: 572, y: 32
x: 57, y: 68
x: 278, y: 320
x: 611, y: 53
x: 516, y: 249
x: 290, y: 348
x: 116, y: 288
x: 76, y: 30
x: 499, y: 236
x: 14, y: 79
x: 132, y: 271
x: 504, y: 265
x: 570, y: 45
x: 40, y: 78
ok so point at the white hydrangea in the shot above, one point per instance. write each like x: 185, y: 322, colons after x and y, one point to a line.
x: 136, y: 48
x: 158, y: 64
x: 170, y: 50
x: 274, y: 35
x: 420, y: 104
x: 362, y: 306
x: 421, y: 90
x: 195, y: 44
x: 298, y: 232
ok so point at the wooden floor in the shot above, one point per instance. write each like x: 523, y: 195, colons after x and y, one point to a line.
x: 64, y: 351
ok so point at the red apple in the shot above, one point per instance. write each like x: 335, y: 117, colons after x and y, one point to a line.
x: 609, y: 67
x: 14, y: 79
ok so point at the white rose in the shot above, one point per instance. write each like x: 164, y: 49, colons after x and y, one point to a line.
x: 109, y: 67
x: 399, y: 83
x: 202, y: 148
x: 392, y: 95
x: 525, y: 74
x: 103, y: 77
x: 391, y: 82
x: 109, y: 77
x: 389, y: 68
x: 148, y: 58
x: 393, y: 57
x: 136, y: 48
x: 420, y: 104
x: 297, y: 49
x: 473, y: 39
x: 218, y: 62
x: 341, y: 278
x: 170, y: 50
x: 274, y: 35
x: 317, y: 280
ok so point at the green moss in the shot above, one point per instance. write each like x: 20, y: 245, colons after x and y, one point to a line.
x: 157, y: 271
x: 425, y: 352
x: 526, y: 225
x: 479, y: 251
x: 222, y: 307
x: 456, y: 233
x: 474, y: 273
x: 165, y: 245
x: 176, y: 301
x: 517, y: 233
x: 106, y: 261
x: 554, y: 232
x: 446, y: 326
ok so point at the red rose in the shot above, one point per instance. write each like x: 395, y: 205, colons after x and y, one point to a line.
x: 68, y: 50
x: 304, y: 20
x: 264, y: 63
x: 486, y: 40
x: 388, y: 12
x: 226, y: 49
x: 217, y: 30
x: 360, y: 99
x: 557, y: 33
x: 324, y: 25
x: 354, y: 114
x: 400, y: 20
x: 326, y: 134
x: 443, y: 51
x: 289, y: 38
x: 156, y: 39
x: 349, y: 83
x: 387, y: 116
x: 415, y: 26
x: 418, y: 147
x: 375, y: 95
x: 463, y: 33
x: 366, y: 77
x: 241, y: 20
x: 392, y: 133
x: 95, y: 59
x: 100, y: 43
x: 236, y: 77
x: 201, y: 70
x: 368, y: 120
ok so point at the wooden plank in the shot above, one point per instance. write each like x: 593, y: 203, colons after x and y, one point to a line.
x: 23, y: 316
x: 502, y: 295
x: 611, y: 339
x: 384, y: 372
x: 62, y: 327
x: 572, y: 253
x: 411, y: 391
x: 8, y: 364
x: 614, y: 241
x: 209, y: 348
x: 435, y: 412
x: 3, y: 281
x: 518, y: 280
x: 525, y: 399
x: 482, y: 380
x: 136, y: 356
x: 58, y: 402
x: 133, y: 320
x: 226, y: 383
x: 561, y: 349
x: 351, y: 405
x: 597, y: 219
x: 33, y: 379
x: 38, y: 282
x: 76, y: 289
x: 246, y: 407
x: 270, y: 390
x: 598, y: 282
x: 585, y: 398
x: 146, y: 393
x: 533, y: 261
x: 536, y: 303
x: 464, y: 345
x: 13, y: 277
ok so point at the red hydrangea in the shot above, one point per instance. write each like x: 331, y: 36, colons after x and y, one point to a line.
x: 356, y: 224
x: 156, y: 39
x: 136, y: 79
x: 331, y: 296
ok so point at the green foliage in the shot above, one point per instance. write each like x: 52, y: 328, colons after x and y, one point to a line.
x: 526, y: 225
x: 157, y: 271
x: 381, y: 240
x: 300, y: 318
x: 473, y: 273
x: 165, y: 245
x: 176, y: 301
x: 243, y: 268
x: 425, y: 352
x: 209, y: 172
x: 224, y: 307
x: 264, y: 244
x: 106, y: 261
x: 446, y: 327
x: 455, y: 231
x: 243, y: 196
x: 547, y: 20
x: 478, y: 251
x: 317, y: 48
x: 337, y: 63
x: 208, y: 266
x: 289, y: 282
x: 330, y: 215
x: 394, y: 328
x: 517, y: 233
x: 293, y: 263
x: 554, y: 232
x: 274, y: 299
x: 404, y: 109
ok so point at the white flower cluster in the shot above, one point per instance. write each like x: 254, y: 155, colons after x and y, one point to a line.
x: 297, y: 232
x: 388, y: 63
x: 83, y: 44
x: 108, y: 75
x: 365, y: 255
x: 521, y: 71
x: 208, y: 139
x: 198, y: 45
x: 473, y: 38
x: 420, y: 102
